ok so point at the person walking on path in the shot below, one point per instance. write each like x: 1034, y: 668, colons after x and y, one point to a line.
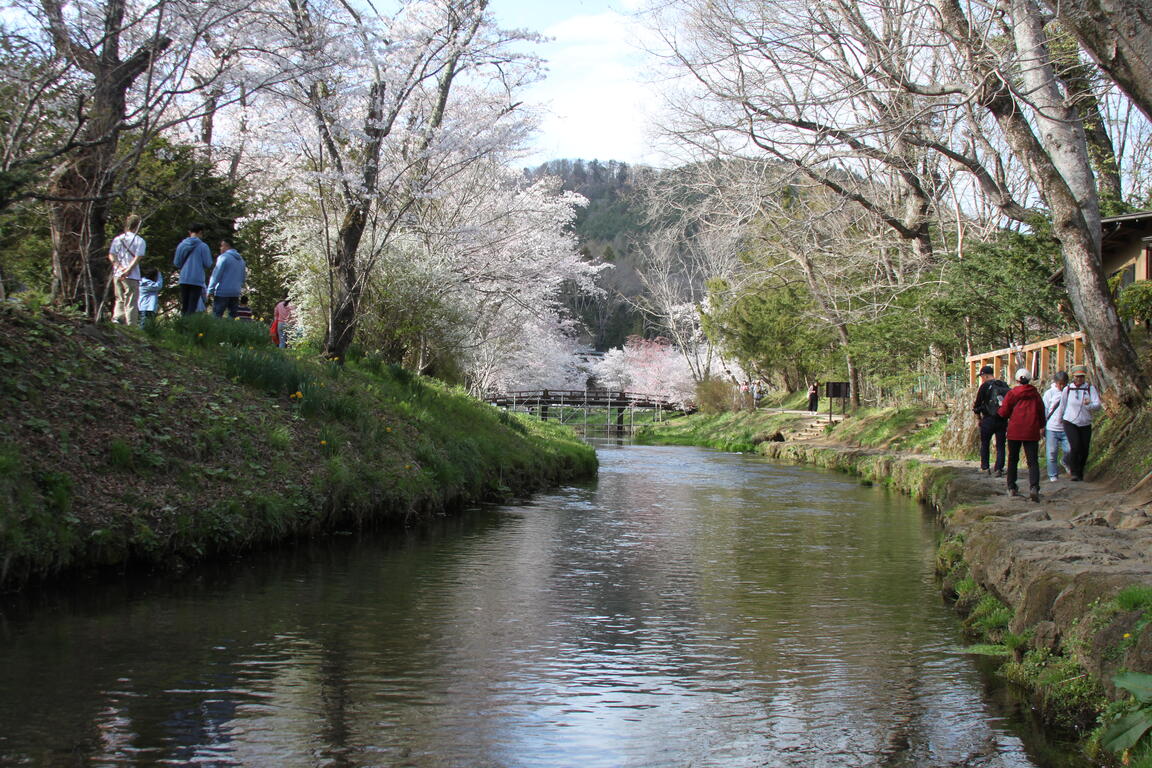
x: 989, y: 397
x: 1078, y: 402
x: 125, y: 253
x: 814, y: 396
x: 193, y: 257
x: 151, y: 283
x: 227, y: 281
x: 283, y: 321
x: 1024, y: 409
x: 1055, y: 441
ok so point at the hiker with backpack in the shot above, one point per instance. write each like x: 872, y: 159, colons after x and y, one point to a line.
x: 989, y: 397
x: 1078, y: 403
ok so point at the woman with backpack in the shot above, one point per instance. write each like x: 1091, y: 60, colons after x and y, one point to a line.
x: 1078, y: 402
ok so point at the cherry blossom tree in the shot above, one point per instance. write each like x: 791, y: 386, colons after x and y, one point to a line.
x: 104, y: 70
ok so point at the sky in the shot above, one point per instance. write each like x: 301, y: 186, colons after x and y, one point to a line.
x: 595, y: 102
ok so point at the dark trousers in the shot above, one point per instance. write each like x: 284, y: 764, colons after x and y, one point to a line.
x: 1079, y: 440
x: 221, y: 303
x: 190, y: 298
x: 1032, y: 453
x: 992, y: 426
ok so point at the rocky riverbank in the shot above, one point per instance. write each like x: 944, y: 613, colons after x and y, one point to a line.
x: 1061, y: 588
x: 1069, y: 578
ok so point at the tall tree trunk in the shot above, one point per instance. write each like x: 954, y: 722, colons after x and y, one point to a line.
x: 1115, y: 33
x: 1057, y: 162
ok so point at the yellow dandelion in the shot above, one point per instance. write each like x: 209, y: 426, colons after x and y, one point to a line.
x: 1127, y: 635
x: 323, y: 442
x: 199, y: 335
x: 407, y: 466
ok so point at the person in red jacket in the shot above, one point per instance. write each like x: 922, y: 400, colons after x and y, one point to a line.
x: 1024, y: 409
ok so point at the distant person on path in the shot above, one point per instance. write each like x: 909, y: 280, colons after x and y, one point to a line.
x: 1055, y: 441
x: 193, y: 257
x: 1024, y: 409
x: 814, y: 396
x: 243, y: 311
x: 227, y: 281
x: 151, y: 283
x: 757, y: 393
x: 1078, y: 402
x: 989, y: 397
x: 283, y: 321
x: 125, y: 253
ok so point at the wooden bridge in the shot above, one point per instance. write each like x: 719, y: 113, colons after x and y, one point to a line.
x: 575, y: 407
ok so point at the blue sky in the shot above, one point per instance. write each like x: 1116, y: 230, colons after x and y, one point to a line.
x: 596, y: 104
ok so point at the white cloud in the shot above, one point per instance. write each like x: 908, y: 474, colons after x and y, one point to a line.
x: 596, y: 102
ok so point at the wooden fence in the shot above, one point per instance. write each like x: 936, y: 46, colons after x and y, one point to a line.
x: 1043, y: 358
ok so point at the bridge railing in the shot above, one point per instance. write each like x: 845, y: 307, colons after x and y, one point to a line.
x: 599, y: 397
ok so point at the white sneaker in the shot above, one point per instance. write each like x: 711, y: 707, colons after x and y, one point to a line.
x: 1051, y: 479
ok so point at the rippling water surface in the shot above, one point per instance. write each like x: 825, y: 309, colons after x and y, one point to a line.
x: 689, y: 608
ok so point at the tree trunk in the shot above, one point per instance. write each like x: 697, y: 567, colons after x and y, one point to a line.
x: 1115, y: 33
x: 1057, y: 162
x: 343, y: 315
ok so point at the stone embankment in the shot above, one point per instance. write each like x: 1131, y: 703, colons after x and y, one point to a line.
x: 1058, y: 564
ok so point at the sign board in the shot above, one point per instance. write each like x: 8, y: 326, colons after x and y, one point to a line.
x: 836, y: 389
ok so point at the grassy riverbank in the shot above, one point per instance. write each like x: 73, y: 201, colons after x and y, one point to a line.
x: 200, y: 438
x: 1061, y: 590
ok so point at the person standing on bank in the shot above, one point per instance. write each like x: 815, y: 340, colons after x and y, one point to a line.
x: 125, y: 253
x: 1055, y: 440
x: 814, y: 396
x: 193, y: 257
x: 1024, y: 409
x: 227, y: 281
x: 1078, y: 402
x: 989, y: 397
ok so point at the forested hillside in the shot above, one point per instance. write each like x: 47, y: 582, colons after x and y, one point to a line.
x: 609, y: 229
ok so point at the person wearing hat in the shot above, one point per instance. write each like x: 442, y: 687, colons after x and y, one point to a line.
x: 1078, y: 402
x: 1024, y: 409
x: 989, y: 397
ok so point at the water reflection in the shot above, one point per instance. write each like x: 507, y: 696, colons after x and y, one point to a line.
x: 690, y: 608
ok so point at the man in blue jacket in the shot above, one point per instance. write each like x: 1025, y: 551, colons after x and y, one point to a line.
x: 193, y: 256
x: 227, y: 283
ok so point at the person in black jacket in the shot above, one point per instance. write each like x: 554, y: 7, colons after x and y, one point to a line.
x: 989, y: 397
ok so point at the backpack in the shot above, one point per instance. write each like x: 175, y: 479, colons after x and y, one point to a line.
x: 996, y: 392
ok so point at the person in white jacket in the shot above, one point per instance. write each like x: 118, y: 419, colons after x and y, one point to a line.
x: 1055, y: 440
x: 1078, y: 402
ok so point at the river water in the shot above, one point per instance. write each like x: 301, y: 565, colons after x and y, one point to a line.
x: 689, y: 608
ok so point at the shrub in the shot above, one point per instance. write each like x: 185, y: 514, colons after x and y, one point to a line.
x: 1135, y: 302
x: 714, y: 396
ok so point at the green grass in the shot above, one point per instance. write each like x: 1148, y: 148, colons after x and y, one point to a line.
x: 1134, y: 598
x: 291, y: 443
x: 739, y: 431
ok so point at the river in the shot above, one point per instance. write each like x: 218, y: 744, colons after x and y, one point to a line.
x: 688, y: 608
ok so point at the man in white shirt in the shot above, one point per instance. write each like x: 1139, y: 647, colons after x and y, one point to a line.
x: 125, y: 253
